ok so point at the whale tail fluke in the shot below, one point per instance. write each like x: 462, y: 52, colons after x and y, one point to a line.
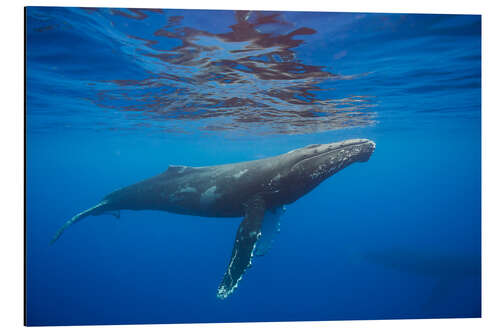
x: 91, y: 211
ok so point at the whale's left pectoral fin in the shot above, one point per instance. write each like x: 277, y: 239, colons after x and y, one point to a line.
x: 243, y: 250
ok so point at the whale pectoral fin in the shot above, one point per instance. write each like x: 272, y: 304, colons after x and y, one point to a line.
x: 270, y: 227
x: 244, y: 245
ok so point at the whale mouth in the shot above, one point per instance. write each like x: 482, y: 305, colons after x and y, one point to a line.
x: 368, y: 147
x: 323, y: 159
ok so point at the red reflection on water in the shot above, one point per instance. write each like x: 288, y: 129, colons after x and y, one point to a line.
x: 135, y: 13
x: 248, y: 78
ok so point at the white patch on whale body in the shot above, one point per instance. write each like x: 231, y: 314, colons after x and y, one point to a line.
x: 276, y: 178
x: 187, y: 189
x: 209, y: 196
x: 177, y: 168
x: 178, y: 195
x: 239, y: 174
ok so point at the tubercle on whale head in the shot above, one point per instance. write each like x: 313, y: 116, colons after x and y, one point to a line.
x: 315, y: 163
x: 337, y: 153
x: 367, y: 151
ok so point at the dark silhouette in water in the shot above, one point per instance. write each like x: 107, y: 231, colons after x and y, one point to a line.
x: 256, y: 190
x: 447, y: 268
x: 426, y: 263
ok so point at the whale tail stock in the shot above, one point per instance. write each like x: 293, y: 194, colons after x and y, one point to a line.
x: 94, y: 210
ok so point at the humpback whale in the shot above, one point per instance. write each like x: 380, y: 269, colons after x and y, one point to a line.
x: 255, y: 190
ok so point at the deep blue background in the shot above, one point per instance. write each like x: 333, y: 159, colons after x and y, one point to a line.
x: 420, y: 192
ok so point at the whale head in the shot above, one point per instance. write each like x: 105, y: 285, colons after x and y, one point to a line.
x: 311, y: 165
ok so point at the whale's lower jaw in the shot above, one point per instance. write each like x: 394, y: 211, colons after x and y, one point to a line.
x: 366, y: 156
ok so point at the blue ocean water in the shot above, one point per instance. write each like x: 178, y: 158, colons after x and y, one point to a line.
x: 114, y: 96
